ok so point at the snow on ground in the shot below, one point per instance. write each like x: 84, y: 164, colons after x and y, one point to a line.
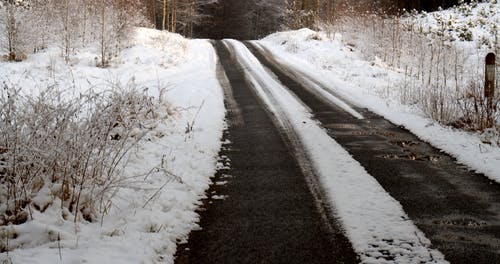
x: 471, y: 25
x: 375, y: 223
x: 149, y: 55
x: 170, y: 169
x: 368, y: 84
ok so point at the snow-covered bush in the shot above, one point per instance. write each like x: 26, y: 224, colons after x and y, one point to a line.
x: 465, y: 33
x: 68, y: 153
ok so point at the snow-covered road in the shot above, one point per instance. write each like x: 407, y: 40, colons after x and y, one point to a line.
x: 376, y: 224
x: 456, y: 208
x: 267, y: 212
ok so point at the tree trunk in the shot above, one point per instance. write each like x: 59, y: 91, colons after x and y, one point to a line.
x: 103, y: 28
x: 154, y: 14
x: 174, y: 16
x: 11, y: 22
x: 165, y: 14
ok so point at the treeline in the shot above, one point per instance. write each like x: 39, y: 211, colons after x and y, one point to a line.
x: 425, y: 5
x: 250, y: 19
x: 240, y: 19
x: 32, y: 25
x: 395, y: 6
x: 179, y: 16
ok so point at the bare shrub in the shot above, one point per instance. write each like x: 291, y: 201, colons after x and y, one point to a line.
x: 70, y: 24
x: 440, y: 77
x: 297, y: 16
x: 477, y: 112
x: 68, y: 152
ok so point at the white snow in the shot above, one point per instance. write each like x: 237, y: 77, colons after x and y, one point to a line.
x: 374, y: 222
x: 167, y: 173
x: 473, y: 26
x: 370, y: 84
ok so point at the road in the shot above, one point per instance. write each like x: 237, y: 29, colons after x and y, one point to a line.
x: 275, y: 212
x: 269, y: 214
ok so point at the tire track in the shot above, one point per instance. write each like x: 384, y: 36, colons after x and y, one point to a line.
x: 267, y: 214
x: 458, y: 210
x: 375, y: 223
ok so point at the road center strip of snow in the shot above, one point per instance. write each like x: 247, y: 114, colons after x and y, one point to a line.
x: 317, y: 86
x: 378, y: 228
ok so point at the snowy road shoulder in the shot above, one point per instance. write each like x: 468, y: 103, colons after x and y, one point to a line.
x: 342, y: 71
x: 167, y: 173
x: 375, y: 223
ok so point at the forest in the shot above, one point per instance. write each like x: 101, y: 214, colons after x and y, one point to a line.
x: 252, y: 19
x: 240, y: 19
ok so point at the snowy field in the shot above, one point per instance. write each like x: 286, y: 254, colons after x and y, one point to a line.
x: 166, y: 173
x: 366, y: 83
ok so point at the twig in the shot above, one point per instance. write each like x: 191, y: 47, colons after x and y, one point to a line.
x: 156, y: 193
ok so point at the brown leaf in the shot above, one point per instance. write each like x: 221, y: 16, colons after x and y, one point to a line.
x: 3, y: 150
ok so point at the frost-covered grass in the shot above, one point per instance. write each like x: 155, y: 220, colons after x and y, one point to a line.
x: 138, y: 178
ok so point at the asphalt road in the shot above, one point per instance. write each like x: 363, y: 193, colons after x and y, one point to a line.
x: 458, y: 210
x: 270, y: 213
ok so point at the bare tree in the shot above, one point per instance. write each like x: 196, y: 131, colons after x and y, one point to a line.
x: 265, y: 17
x: 164, y: 14
x: 68, y: 21
x: 12, y: 24
x: 32, y: 25
x: 11, y: 29
x: 300, y: 13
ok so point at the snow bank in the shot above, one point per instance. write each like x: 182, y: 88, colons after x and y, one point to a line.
x: 166, y: 175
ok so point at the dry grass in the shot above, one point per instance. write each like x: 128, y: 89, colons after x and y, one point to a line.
x: 443, y: 80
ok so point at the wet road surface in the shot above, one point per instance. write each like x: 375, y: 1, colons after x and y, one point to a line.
x: 265, y: 212
x: 459, y: 211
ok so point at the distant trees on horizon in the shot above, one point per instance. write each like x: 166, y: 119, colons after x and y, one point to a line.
x: 31, y: 25
x: 255, y: 18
